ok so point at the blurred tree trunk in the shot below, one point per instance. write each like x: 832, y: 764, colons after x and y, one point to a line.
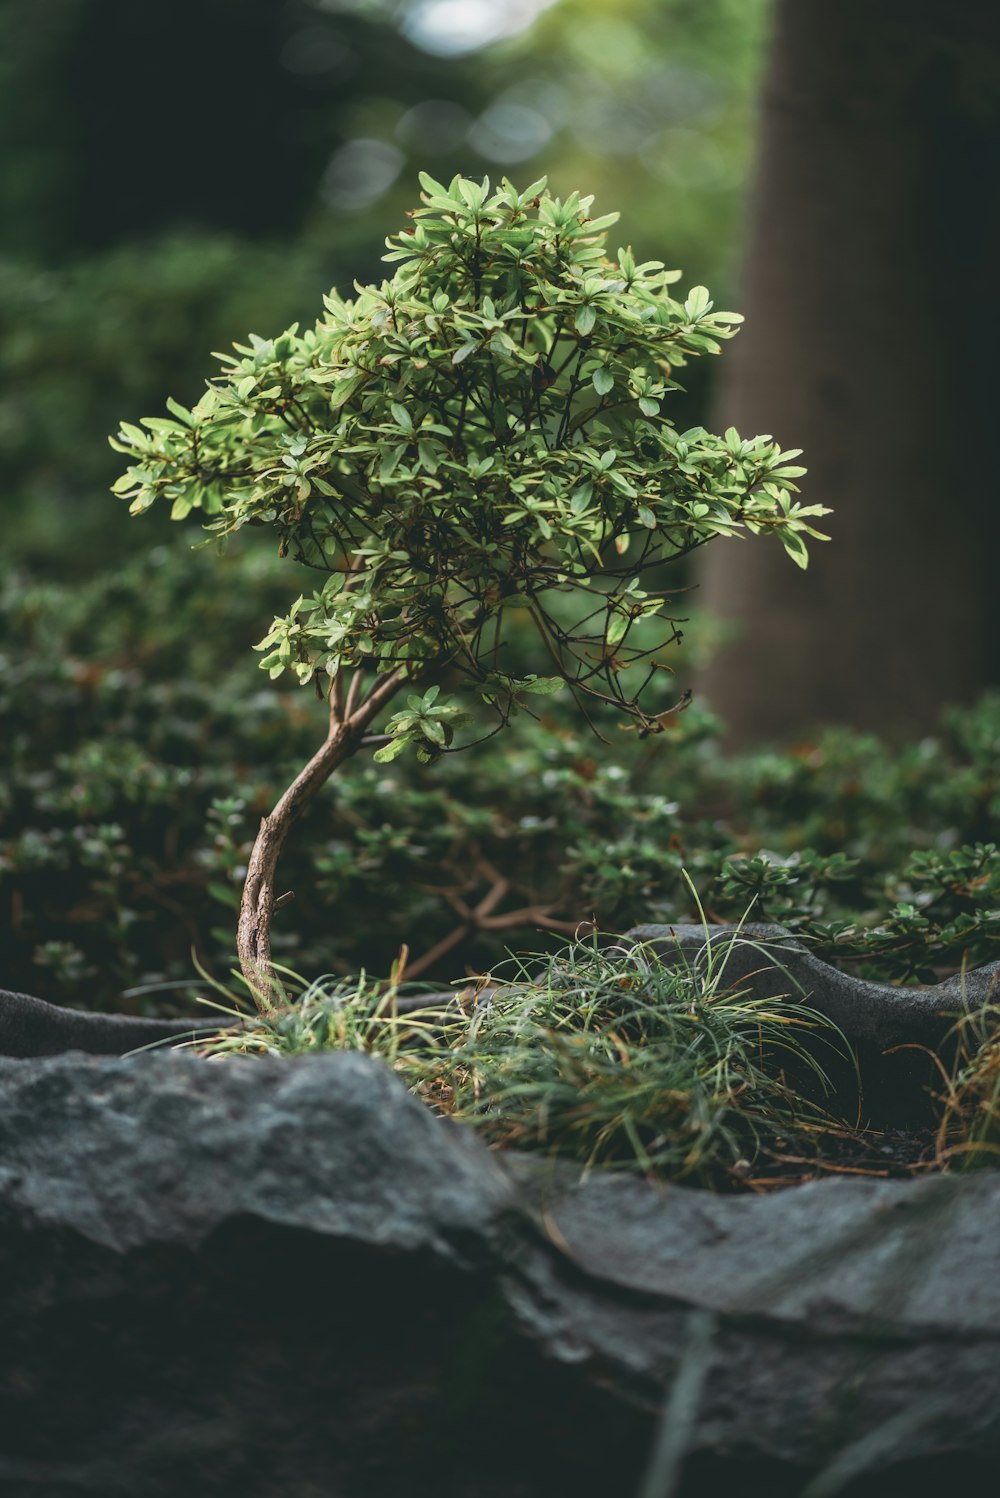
x: 872, y: 297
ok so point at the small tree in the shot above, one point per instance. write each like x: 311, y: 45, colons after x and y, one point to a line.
x: 481, y: 436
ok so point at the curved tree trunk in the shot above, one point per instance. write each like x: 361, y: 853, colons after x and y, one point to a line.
x: 873, y: 312
x: 253, y: 935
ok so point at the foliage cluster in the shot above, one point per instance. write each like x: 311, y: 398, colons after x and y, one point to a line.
x: 136, y: 772
x: 483, y: 435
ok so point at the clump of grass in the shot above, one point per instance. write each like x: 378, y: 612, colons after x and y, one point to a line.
x: 328, y: 1014
x: 601, y: 1055
x: 618, y: 1058
x: 969, y: 1131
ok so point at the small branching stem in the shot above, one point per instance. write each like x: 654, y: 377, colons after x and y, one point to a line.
x: 348, y: 723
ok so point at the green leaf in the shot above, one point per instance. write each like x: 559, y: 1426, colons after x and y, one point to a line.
x: 429, y: 185
x: 344, y: 389
x: 542, y: 686
x: 428, y: 453
x: 392, y: 460
x: 585, y: 319
x: 181, y: 412
x: 617, y: 626
x: 472, y: 192
x: 392, y: 750
x: 796, y: 548
x: 603, y: 381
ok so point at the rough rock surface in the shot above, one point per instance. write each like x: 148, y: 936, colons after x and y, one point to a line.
x: 260, y: 1277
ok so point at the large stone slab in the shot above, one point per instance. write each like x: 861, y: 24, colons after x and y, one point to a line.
x: 266, y: 1277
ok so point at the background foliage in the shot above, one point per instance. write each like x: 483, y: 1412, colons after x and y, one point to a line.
x: 136, y: 777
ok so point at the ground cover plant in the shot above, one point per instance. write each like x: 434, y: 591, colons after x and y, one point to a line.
x: 609, y: 1053
x: 591, y: 1053
x: 483, y: 435
x: 136, y: 771
x: 969, y: 1131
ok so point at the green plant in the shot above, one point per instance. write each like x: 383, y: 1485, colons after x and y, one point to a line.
x: 116, y: 715
x: 481, y: 436
x: 969, y: 1130
x: 608, y: 1057
x: 594, y: 1054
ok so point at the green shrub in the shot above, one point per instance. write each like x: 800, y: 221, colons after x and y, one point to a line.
x: 481, y: 438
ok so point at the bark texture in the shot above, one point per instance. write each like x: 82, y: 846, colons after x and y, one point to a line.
x: 253, y: 935
x: 872, y: 302
x: 348, y: 723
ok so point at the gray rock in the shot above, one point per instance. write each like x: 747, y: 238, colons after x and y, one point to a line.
x: 260, y: 1277
x: 32, y: 1027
